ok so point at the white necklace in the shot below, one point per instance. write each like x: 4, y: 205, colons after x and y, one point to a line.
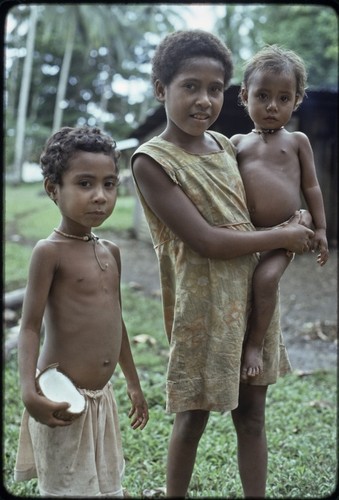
x: 86, y: 237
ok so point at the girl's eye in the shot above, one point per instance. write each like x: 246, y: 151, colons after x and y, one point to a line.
x: 189, y: 86
x: 216, y: 89
x: 285, y: 98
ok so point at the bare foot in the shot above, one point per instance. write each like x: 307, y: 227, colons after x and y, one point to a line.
x: 252, y: 363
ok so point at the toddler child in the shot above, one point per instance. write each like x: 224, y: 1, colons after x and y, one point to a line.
x: 276, y: 166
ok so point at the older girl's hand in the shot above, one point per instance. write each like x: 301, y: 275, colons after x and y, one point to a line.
x: 299, y: 238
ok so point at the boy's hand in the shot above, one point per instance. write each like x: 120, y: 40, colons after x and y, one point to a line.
x: 139, y: 409
x: 44, y: 410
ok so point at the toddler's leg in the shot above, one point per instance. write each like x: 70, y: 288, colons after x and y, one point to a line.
x: 265, y: 284
x: 186, y: 433
x: 249, y: 422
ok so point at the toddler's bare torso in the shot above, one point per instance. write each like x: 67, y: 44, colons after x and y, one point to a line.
x: 271, y: 176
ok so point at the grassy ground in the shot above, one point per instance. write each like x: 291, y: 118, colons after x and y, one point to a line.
x: 301, y: 411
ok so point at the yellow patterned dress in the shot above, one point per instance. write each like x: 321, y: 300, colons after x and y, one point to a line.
x: 206, y: 301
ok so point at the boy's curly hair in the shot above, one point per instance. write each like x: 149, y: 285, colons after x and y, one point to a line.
x: 279, y: 60
x: 177, y: 47
x: 65, y: 143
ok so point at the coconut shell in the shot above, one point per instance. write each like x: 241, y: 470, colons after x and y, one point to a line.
x: 55, y: 385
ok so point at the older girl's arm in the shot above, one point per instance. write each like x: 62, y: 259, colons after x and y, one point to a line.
x: 176, y: 210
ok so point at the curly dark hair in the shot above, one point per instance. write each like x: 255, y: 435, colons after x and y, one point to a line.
x: 65, y: 143
x: 177, y: 47
x: 279, y: 60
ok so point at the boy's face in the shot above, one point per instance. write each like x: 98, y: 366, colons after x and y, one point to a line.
x: 88, y: 192
x: 270, y: 98
x: 194, y: 98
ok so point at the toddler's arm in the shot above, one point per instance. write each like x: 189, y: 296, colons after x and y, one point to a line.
x: 312, y: 193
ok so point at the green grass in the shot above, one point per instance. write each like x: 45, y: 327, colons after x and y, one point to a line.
x: 301, y: 429
x: 301, y: 411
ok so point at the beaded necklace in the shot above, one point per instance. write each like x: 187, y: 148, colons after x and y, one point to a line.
x: 263, y: 132
x: 86, y: 237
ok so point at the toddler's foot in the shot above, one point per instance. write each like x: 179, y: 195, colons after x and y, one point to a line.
x: 252, y: 362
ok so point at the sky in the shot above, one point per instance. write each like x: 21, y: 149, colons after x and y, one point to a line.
x: 202, y: 16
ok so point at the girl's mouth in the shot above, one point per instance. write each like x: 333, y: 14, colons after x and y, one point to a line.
x: 200, y: 116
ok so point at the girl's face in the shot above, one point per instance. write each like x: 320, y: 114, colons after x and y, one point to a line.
x: 88, y: 192
x: 270, y: 98
x: 194, y: 98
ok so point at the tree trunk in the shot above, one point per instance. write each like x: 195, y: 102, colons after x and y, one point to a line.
x: 64, y: 73
x: 24, y: 96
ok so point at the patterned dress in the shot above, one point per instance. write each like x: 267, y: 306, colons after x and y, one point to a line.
x: 206, y: 301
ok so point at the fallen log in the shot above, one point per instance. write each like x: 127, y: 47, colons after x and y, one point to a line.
x: 14, y: 299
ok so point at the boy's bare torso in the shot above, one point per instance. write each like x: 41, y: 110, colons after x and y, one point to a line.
x: 83, y: 325
x: 270, y: 170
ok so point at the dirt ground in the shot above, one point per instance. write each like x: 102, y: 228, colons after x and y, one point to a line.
x: 309, y: 301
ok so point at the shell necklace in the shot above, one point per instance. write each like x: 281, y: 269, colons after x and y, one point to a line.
x: 263, y: 132
x: 86, y: 237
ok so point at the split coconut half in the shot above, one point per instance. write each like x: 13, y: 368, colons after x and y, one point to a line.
x: 58, y: 387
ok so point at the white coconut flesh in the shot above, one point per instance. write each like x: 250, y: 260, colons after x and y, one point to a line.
x: 59, y: 388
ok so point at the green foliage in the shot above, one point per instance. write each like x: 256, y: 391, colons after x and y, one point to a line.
x: 107, y: 46
x: 309, y: 30
x: 114, y: 44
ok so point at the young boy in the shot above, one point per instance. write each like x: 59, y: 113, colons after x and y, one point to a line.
x: 276, y: 166
x: 74, y: 287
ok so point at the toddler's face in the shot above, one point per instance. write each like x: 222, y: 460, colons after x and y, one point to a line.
x: 270, y: 98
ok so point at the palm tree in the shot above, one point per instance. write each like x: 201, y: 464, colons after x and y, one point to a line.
x: 64, y: 73
x: 127, y: 34
x: 24, y: 95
